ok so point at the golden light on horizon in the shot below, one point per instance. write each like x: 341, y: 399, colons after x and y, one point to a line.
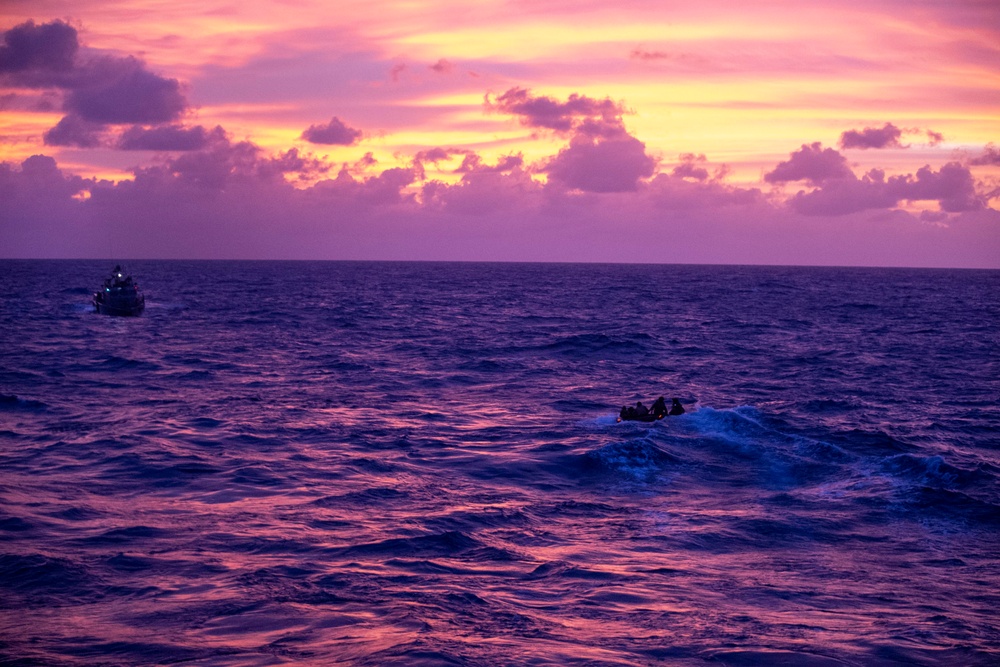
x: 391, y: 85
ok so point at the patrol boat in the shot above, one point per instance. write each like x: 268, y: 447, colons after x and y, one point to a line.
x: 119, y: 295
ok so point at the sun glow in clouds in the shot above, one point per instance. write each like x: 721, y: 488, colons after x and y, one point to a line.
x: 452, y: 126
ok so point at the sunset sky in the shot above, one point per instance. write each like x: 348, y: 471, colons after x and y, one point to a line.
x: 831, y: 133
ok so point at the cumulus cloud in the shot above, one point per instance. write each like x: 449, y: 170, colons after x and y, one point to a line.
x: 472, y: 163
x: 952, y: 186
x: 96, y: 90
x: 302, y: 167
x: 676, y: 192
x: 333, y: 133
x: 841, y: 196
x: 485, y: 189
x: 241, y: 199
x: 887, y: 136
x: 360, y: 166
x: 224, y: 165
x: 991, y: 155
x: 546, y: 112
x: 38, y: 176
x: 811, y: 163
x: 601, y: 157
x: 49, y: 47
x: 233, y: 200
x: 168, y: 138
x: 439, y: 154
x: 75, y: 131
x: 872, y: 137
x: 382, y: 190
x: 121, y: 90
x: 690, y: 167
x: 601, y: 165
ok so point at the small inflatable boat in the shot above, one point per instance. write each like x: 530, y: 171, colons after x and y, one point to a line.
x: 641, y: 413
x: 640, y: 418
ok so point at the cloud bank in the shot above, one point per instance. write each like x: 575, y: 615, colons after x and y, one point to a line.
x: 599, y: 195
x: 99, y: 91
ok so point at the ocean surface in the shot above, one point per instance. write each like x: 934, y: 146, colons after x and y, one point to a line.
x: 325, y: 463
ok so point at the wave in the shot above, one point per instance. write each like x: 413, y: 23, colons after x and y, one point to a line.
x: 450, y: 543
x: 563, y: 569
x: 127, y: 535
x: 933, y: 470
x: 15, y: 524
x: 43, y: 580
x: 639, y: 459
x: 225, y: 480
x: 14, y: 403
x: 370, y: 496
x: 116, y: 363
x: 590, y: 345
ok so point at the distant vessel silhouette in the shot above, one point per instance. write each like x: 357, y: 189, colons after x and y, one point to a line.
x: 119, y: 295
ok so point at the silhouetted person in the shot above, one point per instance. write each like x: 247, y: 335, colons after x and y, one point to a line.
x: 640, y: 409
x: 659, y: 408
x: 676, y: 408
x: 624, y: 413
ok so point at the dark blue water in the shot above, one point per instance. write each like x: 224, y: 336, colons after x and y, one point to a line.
x: 419, y: 464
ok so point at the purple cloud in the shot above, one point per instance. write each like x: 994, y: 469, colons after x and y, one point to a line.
x: 252, y: 210
x: 29, y: 47
x: 122, y: 90
x: 333, y: 133
x: 811, y: 163
x: 677, y: 193
x: 472, y: 163
x: 991, y: 155
x: 305, y: 167
x: 841, y: 196
x: 443, y: 66
x: 38, y: 177
x: 385, y: 189
x: 642, y: 54
x: 168, y: 138
x: 608, y: 165
x: 601, y: 157
x: 75, y: 131
x: 105, y: 90
x: 438, y: 154
x: 485, y: 189
x: 872, y: 137
x: 952, y: 187
x: 546, y: 112
x: 688, y: 168
x: 213, y: 169
x: 934, y: 138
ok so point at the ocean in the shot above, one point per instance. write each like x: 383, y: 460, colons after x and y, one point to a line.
x: 365, y: 463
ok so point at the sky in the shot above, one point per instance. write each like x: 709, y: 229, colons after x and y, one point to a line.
x: 842, y: 133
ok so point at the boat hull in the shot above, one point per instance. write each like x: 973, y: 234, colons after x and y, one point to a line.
x: 120, y: 307
x: 642, y: 418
